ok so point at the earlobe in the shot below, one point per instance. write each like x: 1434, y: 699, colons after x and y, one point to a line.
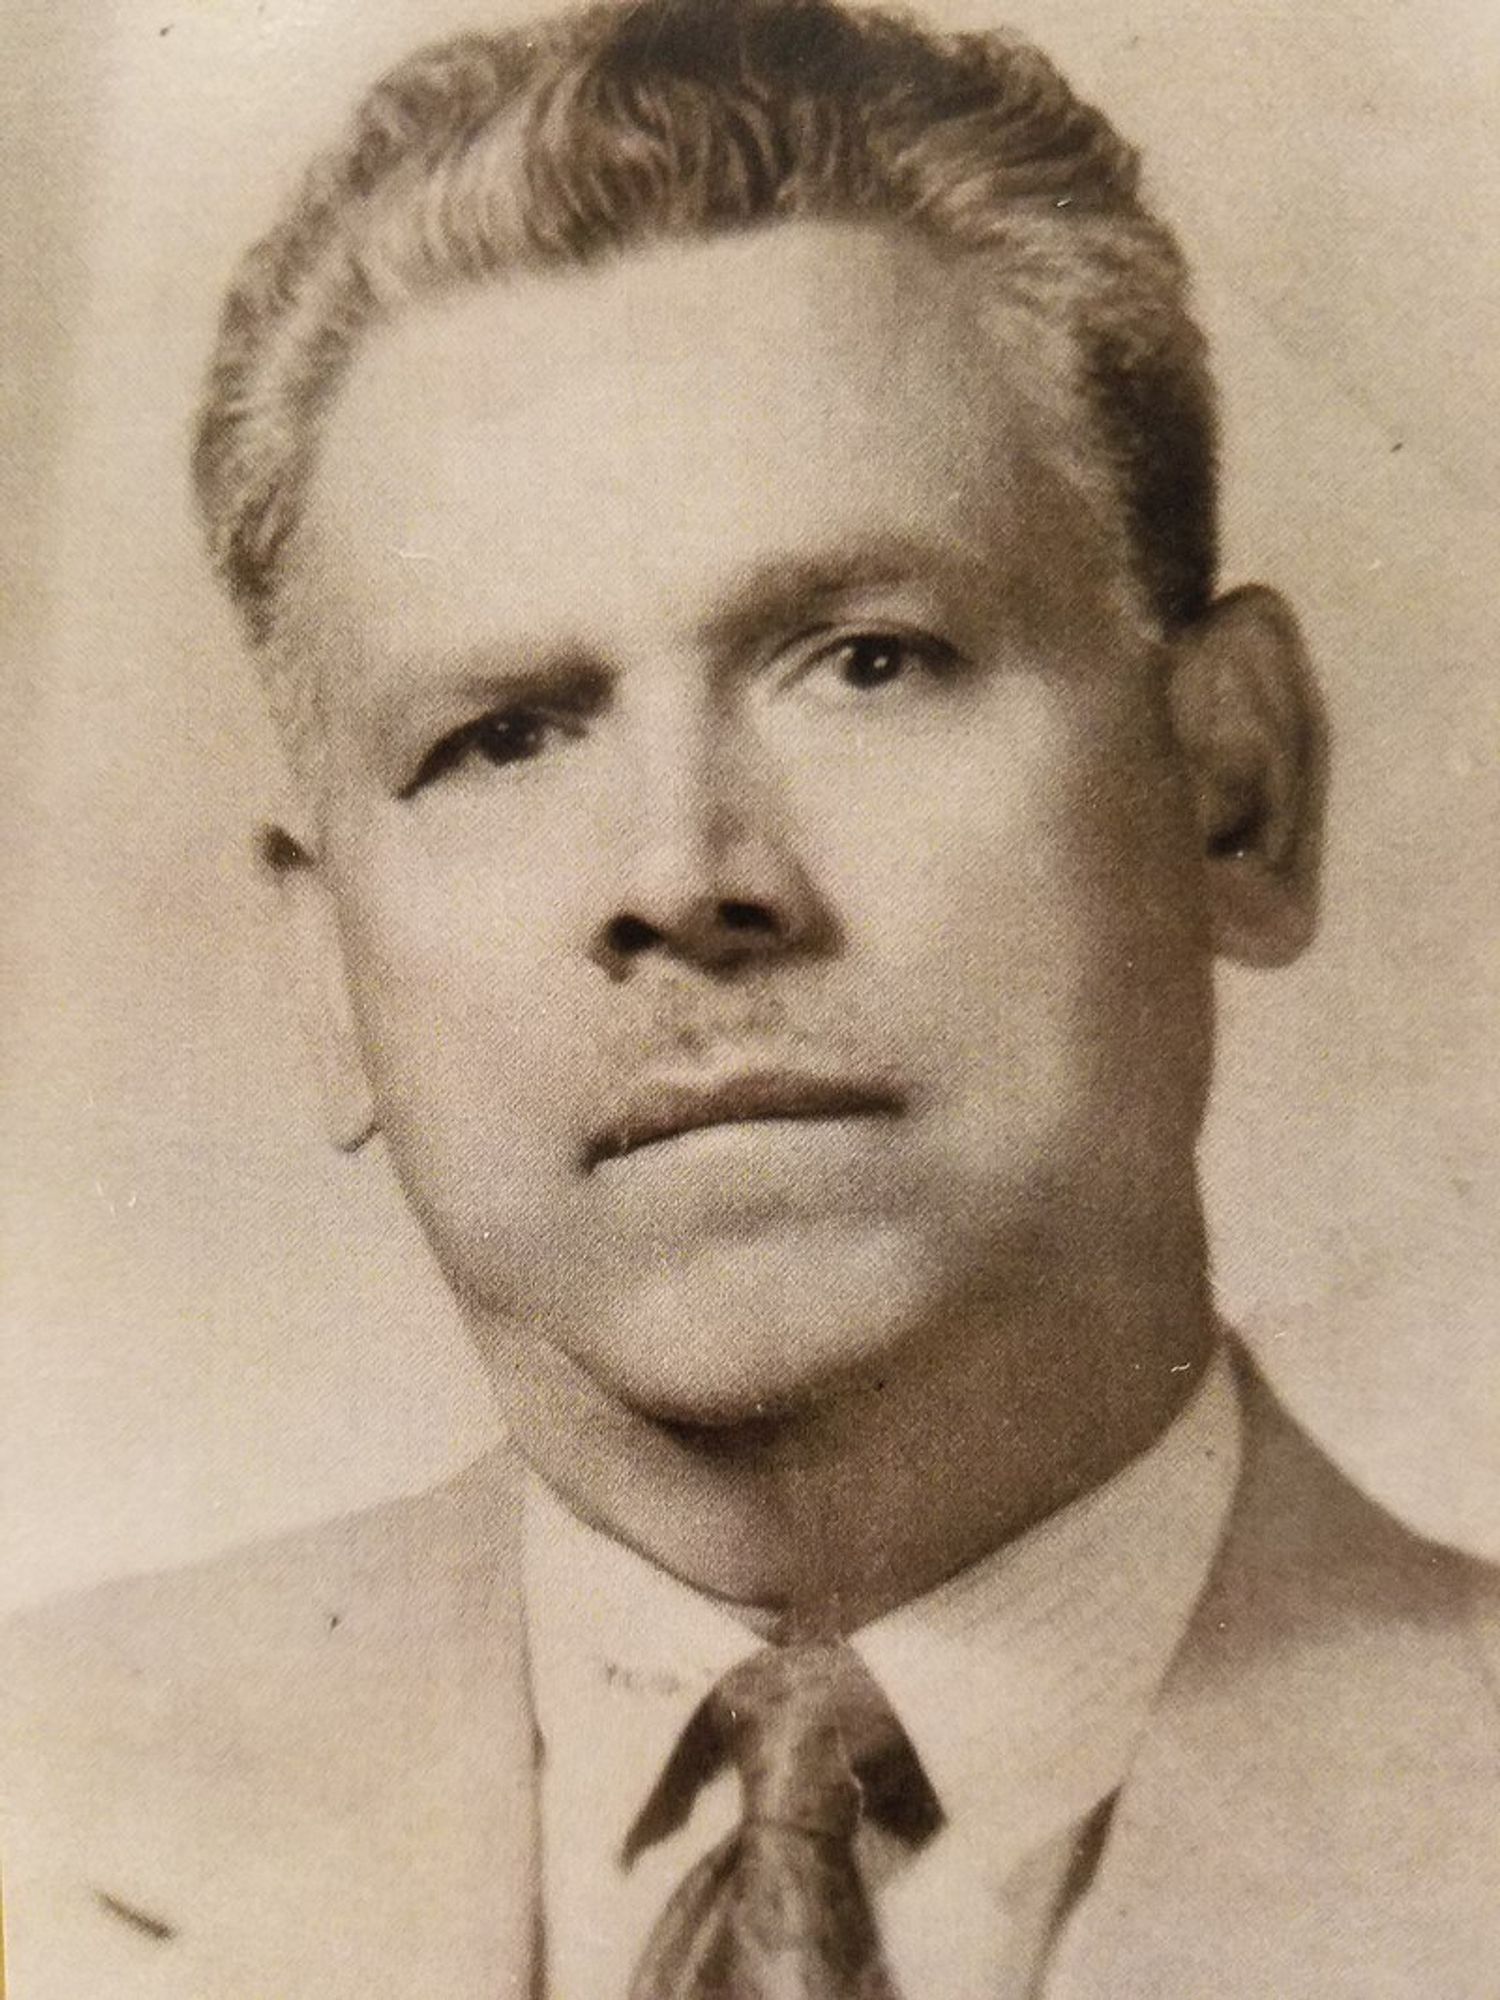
x: 316, y: 968
x: 1250, y: 726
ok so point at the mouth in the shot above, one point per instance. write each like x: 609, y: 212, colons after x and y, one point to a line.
x: 659, y: 1112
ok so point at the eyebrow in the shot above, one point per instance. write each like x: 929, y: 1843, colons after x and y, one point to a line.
x: 482, y: 678
x: 785, y: 588
x: 780, y: 590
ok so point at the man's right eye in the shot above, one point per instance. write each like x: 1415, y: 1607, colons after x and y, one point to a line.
x: 505, y: 736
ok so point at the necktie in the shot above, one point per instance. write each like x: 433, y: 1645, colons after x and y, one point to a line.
x: 777, y: 1910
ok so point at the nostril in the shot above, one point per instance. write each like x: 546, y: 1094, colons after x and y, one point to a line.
x: 747, y: 917
x: 631, y: 935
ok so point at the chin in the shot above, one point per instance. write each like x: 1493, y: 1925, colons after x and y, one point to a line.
x: 733, y: 1334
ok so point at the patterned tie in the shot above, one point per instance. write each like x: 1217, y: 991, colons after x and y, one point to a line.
x: 777, y: 1911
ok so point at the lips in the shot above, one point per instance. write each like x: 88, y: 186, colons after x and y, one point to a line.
x: 660, y: 1111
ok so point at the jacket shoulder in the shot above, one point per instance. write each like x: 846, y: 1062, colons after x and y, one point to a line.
x: 277, y: 1713
x: 1310, y: 1559
x: 204, y: 1651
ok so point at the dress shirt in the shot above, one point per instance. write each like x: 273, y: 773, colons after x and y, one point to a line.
x: 1024, y: 1683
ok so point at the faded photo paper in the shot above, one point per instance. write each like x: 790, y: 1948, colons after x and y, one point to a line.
x: 749, y: 1236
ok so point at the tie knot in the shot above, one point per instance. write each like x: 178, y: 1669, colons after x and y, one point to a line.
x: 807, y: 1726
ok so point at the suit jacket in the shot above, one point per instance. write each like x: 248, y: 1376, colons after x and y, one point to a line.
x: 306, y: 1771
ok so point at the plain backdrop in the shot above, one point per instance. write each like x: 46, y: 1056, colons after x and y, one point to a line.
x: 213, y: 1327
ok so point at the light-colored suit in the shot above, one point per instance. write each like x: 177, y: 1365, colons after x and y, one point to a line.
x: 305, y: 1772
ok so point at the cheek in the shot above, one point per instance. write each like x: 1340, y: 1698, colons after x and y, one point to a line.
x: 1026, y: 897
x: 997, y: 840
x: 454, y: 992
x: 472, y: 1064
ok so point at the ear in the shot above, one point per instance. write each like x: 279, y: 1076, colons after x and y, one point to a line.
x: 1248, y: 721
x: 316, y: 966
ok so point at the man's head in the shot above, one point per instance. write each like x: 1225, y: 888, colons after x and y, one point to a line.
x: 726, y: 495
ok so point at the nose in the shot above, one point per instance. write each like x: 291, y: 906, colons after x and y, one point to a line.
x: 713, y: 876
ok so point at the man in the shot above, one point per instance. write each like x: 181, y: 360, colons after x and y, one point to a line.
x: 723, y: 500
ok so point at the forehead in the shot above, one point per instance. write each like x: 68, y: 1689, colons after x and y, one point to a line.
x: 618, y: 443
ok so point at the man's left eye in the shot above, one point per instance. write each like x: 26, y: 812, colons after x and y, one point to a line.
x: 867, y: 661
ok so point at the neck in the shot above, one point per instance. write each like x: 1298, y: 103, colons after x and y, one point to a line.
x: 832, y: 1514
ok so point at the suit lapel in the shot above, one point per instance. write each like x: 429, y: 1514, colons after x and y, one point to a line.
x: 435, y: 1873
x: 1313, y: 1810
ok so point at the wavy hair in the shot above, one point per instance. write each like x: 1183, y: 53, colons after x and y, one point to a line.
x: 574, y: 139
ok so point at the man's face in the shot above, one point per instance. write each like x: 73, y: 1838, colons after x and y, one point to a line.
x: 765, y: 892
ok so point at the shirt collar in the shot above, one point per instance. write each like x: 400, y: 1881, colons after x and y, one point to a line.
x: 1027, y: 1678
x: 622, y: 1653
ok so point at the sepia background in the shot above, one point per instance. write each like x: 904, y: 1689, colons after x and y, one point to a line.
x: 213, y: 1326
